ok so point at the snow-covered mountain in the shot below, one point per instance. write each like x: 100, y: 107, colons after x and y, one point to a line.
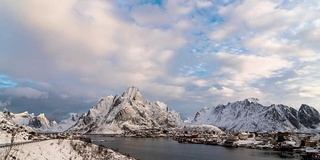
x: 41, y: 123
x: 250, y: 115
x: 128, y: 112
x: 65, y: 124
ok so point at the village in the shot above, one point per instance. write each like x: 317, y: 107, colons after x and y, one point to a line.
x: 303, y: 146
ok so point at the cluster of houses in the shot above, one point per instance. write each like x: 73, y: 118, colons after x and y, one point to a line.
x: 148, y: 133
x: 290, y: 145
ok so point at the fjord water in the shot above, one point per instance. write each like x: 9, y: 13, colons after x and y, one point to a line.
x: 167, y: 149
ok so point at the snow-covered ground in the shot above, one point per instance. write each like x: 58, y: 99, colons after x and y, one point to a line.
x: 62, y: 149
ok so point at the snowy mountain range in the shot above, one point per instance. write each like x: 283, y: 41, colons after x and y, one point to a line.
x: 130, y: 112
x: 65, y: 124
x: 250, y: 115
x: 41, y: 123
x: 127, y: 112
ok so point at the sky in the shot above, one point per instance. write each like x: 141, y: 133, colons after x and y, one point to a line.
x: 61, y: 57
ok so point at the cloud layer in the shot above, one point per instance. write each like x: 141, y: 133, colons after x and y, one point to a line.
x: 186, y: 53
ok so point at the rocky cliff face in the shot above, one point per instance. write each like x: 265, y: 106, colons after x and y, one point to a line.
x: 250, y: 115
x: 308, y: 116
x: 128, y: 112
x: 39, y: 123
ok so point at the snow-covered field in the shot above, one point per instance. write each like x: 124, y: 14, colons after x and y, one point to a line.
x: 62, y: 149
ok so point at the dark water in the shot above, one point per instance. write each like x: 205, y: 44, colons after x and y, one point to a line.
x: 167, y: 149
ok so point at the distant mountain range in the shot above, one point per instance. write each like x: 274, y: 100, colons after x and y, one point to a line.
x: 250, y: 115
x: 129, y: 112
x: 41, y: 123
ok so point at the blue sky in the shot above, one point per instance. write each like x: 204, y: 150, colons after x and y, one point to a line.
x: 59, y: 57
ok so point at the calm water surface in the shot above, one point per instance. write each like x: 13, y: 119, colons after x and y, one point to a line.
x: 167, y: 149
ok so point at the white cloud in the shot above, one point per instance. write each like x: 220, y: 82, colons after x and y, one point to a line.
x: 245, y: 69
x: 25, y: 92
x: 179, y: 7
x: 280, y: 42
x: 165, y: 92
x: 311, y: 91
x: 90, y: 43
x: 306, y: 81
x: 224, y: 92
x: 271, y: 28
x: 64, y: 96
x: 155, y: 16
x: 203, y: 4
x: 6, y: 103
x: 201, y: 83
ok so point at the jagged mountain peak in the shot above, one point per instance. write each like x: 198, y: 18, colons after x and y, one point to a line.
x: 309, y: 116
x: 306, y: 108
x: 128, y: 112
x: 249, y: 102
x: 44, y: 120
x: 132, y: 93
x: 252, y: 100
x: 40, y: 122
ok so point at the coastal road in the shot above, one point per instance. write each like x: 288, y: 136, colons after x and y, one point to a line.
x: 4, y: 145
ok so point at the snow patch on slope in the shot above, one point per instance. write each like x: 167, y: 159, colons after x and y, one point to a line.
x: 202, y: 128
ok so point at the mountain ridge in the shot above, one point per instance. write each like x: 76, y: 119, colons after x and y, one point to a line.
x: 41, y: 123
x: 128, y: 112
x: 252, y: 116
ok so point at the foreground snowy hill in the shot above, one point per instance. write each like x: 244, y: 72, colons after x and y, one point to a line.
x: 63, y: 150
x: 8, y: 127
x: 46, y: 149
x: 250, y: 115
x: 128, y: 112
